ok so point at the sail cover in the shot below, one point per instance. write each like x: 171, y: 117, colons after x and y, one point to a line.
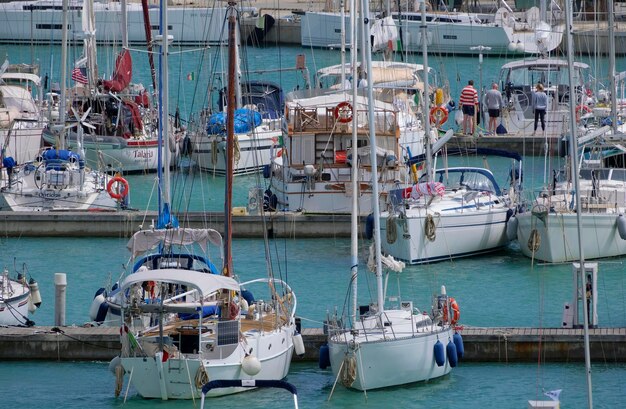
x: 122, y: 75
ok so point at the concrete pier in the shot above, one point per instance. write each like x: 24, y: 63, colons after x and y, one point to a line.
x: 481, y: 344
x: 125, y: 223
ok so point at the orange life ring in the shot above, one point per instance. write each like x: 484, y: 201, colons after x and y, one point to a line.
x: 581, y: 110
x: 438, y: 115
x: 122, y: 193
x: 456, y: 311
x: 343, y: 112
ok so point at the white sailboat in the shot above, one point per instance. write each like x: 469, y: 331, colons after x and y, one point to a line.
x: 387, y: 345
x: 183, y: 321
x: 547, y: 231
x: 57, y: 179
x: 579, y: 267
x: 18, y: 299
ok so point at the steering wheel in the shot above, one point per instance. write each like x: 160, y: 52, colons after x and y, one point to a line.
x: 521, y: 98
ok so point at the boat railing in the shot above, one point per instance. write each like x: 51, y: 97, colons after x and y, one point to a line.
x: 333, y: 119
x: 562, y: 200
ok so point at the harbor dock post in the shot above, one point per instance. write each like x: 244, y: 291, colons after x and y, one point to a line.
x: 60, y: 286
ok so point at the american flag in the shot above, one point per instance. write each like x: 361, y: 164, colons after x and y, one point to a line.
x: 80, y: 75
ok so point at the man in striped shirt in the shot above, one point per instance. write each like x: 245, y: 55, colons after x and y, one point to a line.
x: 469, y: 102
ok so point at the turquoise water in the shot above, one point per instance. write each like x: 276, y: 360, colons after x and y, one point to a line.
x: 502, y: 289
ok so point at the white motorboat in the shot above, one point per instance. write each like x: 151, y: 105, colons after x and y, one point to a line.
x: 449, y: 32
x: 312, y: 172
x: 40, y: 22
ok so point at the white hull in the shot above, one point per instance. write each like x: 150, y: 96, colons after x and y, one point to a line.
x: 74, y: 191
x: 14, y: 300
x: 323, y: 29
x: 188, y: 25
x: 462, y: 233
x: 178, y: 374
x: 255, y: 150
x: 394, y: 358
x: 559, y: 236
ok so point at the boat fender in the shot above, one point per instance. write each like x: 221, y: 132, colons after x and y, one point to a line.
x: 511, y: 228
x: 114, y: 364
x: 458, y: 342
x: 440, y: 356
x: 35, y: 295
x: 99, y: 308
x: 369, y: 226
x: 621, y: 226
x: 251, y: 365
x: 324, y: 359
x: 298, y: 344
x: 267, y: 171
x: 451, y: 351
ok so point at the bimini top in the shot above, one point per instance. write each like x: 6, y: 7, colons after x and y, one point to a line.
x: 145, y: 240
x: 542, y: 62
x: 205, y: 283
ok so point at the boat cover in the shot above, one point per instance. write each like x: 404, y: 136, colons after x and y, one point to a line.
x: 145, y: 240
x: 205, y: 283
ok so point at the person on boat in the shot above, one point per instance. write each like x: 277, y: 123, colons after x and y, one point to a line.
x: 540, y: 104
x: 493, y: 100
x: 361, y: 78
x: 469, y: 102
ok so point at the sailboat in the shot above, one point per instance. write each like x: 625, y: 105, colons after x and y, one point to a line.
x: 184, y: 321
x: 547, y: 231
x: 18, y: 298
x: 117, y: 121
x: 580, y: 268
x: 387, y: 345
x: 57, y: 179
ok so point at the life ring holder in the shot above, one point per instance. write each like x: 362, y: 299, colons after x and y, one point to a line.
x: 456, y: 311
x: 581, y: 110
x: 343, y: 112
x: 122, y: 193
x: 438, y: 115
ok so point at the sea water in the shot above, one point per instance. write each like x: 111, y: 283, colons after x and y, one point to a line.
x: 501, y: 289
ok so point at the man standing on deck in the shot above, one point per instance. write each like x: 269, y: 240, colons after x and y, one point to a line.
x: 469, y: 102
x: 493, y: 100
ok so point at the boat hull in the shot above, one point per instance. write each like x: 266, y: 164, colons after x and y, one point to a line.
x: 179, y: 375
x: 461, y: 233
x: 392, y: 361
x: 558, y: 236
x: 14, y: 305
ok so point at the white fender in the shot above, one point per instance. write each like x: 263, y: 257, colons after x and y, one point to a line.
x: 298, y: 344
x: 251, y: 365
x: 35, y: 296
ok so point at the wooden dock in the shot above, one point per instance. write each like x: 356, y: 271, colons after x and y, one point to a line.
x: 501, y: 345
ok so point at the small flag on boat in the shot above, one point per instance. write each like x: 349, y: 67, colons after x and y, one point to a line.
x: 554, y: 395
x: 80, y: 75
x: 190, y: 76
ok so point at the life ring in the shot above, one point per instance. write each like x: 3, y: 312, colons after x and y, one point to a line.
x: 122, y: 193
x: 343, y: 112
x: 581, y: 110
x: 438, y: 115
x: 456, y: 311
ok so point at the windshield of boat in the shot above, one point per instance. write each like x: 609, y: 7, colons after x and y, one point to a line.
x: 547, y: 75
x: 469, y: 178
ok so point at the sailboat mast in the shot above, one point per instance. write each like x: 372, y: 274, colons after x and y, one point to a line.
x: 164, y: 151
x: 354, y: 225
x: 230, y: 135
x: 574, y: 164
x: 372, y: 127
x: 611, y: 22
x: 426, y: 113
x: 62, y: 99
x: 124, y: 6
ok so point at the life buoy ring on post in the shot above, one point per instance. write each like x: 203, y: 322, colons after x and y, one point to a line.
x: 456, y: 311
x: 117, y: 194
x: 343, y: 112
x: 581, y: 110
x: 438, y: 115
